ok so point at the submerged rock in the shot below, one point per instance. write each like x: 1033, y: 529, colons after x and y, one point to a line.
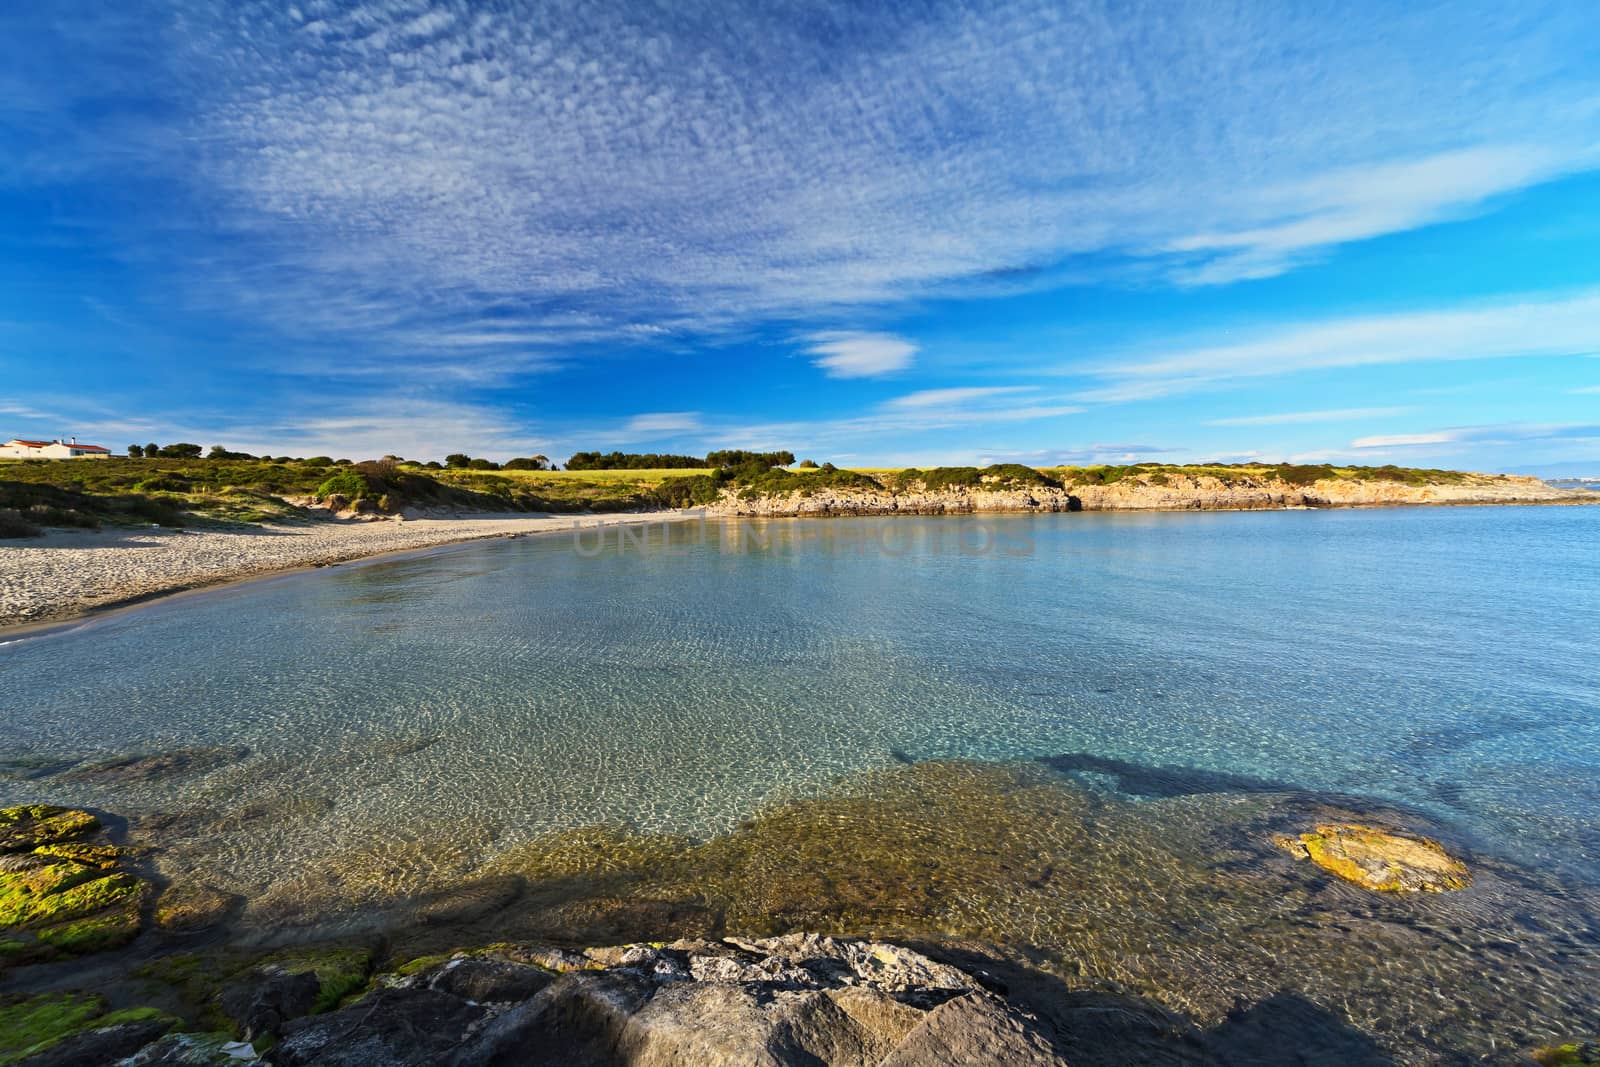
x: 193, y: 907
x: 61, y: 894
x: 1380, y: 860
x: 143, y: 768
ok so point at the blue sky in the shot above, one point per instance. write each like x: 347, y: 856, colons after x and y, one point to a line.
x: 919, y: 232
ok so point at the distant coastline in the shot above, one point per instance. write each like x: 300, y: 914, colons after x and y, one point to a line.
x: 128, y: 547
x: 1153, y: 490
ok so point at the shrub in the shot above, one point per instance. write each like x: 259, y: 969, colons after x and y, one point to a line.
x: 347, y: 484
x: 181, y: 450
x: 808, y: 464
x: 1017, y: 474
x: 1302, y: 474
x: 163, y: 483
x: 135, y: 451
x: 318, y: 461
x: 457, y: 459
x: 12, y: 525
x: 693, y: 491
x: 482, y: 465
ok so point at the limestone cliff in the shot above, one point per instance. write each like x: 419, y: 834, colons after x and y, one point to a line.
x: 1159, y: 491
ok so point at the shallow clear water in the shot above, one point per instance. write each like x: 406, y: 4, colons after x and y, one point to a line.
x: 1441, y: 659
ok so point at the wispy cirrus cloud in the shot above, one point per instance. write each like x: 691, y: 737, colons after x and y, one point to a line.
x: 663, y: 423
x: 1406, y: 440
x: 1289, y: 418
x: 846, y: 354
x: 1493, y: 434
x: 1558, y: 325
x: 953, y: 397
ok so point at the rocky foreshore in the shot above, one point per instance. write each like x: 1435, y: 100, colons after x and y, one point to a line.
x: 1172, y: 492
x: 106, y: 960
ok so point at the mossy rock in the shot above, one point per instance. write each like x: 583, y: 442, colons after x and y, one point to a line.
x: 1380, y: 860
x: 1572, y: 1054
x: 199, y: 979
x: 61, y: 895
x: 25, y: 828
x: 31, y: 1025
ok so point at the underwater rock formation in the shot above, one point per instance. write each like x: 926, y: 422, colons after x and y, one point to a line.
x: 1380, y: 860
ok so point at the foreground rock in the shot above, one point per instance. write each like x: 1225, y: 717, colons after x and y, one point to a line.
x: 63, y: 889
x: 74, y: 1028
x: 800, y: 999
x: 1380, y: 860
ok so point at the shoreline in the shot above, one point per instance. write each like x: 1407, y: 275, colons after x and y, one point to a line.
x: 65, y: 579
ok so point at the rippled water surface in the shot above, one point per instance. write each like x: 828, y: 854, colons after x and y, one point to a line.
x: 1071, y: 734
x: 1444, y: 659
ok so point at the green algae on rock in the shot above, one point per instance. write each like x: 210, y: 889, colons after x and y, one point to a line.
x: 242, y: 991
x: 31, y: 825
x: 61, y: 895
x: 36, y: 1024
x: 1380, y: 860
x: 1572, y: 1054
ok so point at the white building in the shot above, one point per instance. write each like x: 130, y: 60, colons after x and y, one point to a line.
x: 16, y: 448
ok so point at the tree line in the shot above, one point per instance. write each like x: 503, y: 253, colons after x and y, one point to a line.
x: 615, y: 461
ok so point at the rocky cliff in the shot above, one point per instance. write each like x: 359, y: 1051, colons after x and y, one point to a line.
x: 1163, y: 491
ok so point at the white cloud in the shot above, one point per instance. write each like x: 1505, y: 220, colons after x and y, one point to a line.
x: 1587, y: 390
x: 1367, y: 201
x: 846, y: 354
x: 663, y: 423
x: 930, y: 398
x: 1294, y: 417
x: 1543, y: 326
x: 1400, y: 440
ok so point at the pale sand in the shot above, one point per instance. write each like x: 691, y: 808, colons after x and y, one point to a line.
x: 69, y: 572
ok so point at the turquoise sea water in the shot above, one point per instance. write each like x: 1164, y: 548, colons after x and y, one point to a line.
x: 1441, y: 659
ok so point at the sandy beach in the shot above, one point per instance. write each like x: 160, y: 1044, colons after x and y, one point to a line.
x: 66, y: 573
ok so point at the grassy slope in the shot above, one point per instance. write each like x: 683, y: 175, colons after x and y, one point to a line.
x: 120, y: 491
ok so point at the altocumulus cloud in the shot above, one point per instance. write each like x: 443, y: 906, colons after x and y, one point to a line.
x: 396, y: 168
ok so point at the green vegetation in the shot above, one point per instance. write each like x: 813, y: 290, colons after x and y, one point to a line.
x: 342, y: 970
x: 995, y: 476
x: 60, y: 894
x: 727, y: 458
x: 755, y: 478
x: 590, y: 461
x: 229, y: 487
x: 31, y: 1025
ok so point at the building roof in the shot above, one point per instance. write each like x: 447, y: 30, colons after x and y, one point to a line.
x: 47, y: 444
